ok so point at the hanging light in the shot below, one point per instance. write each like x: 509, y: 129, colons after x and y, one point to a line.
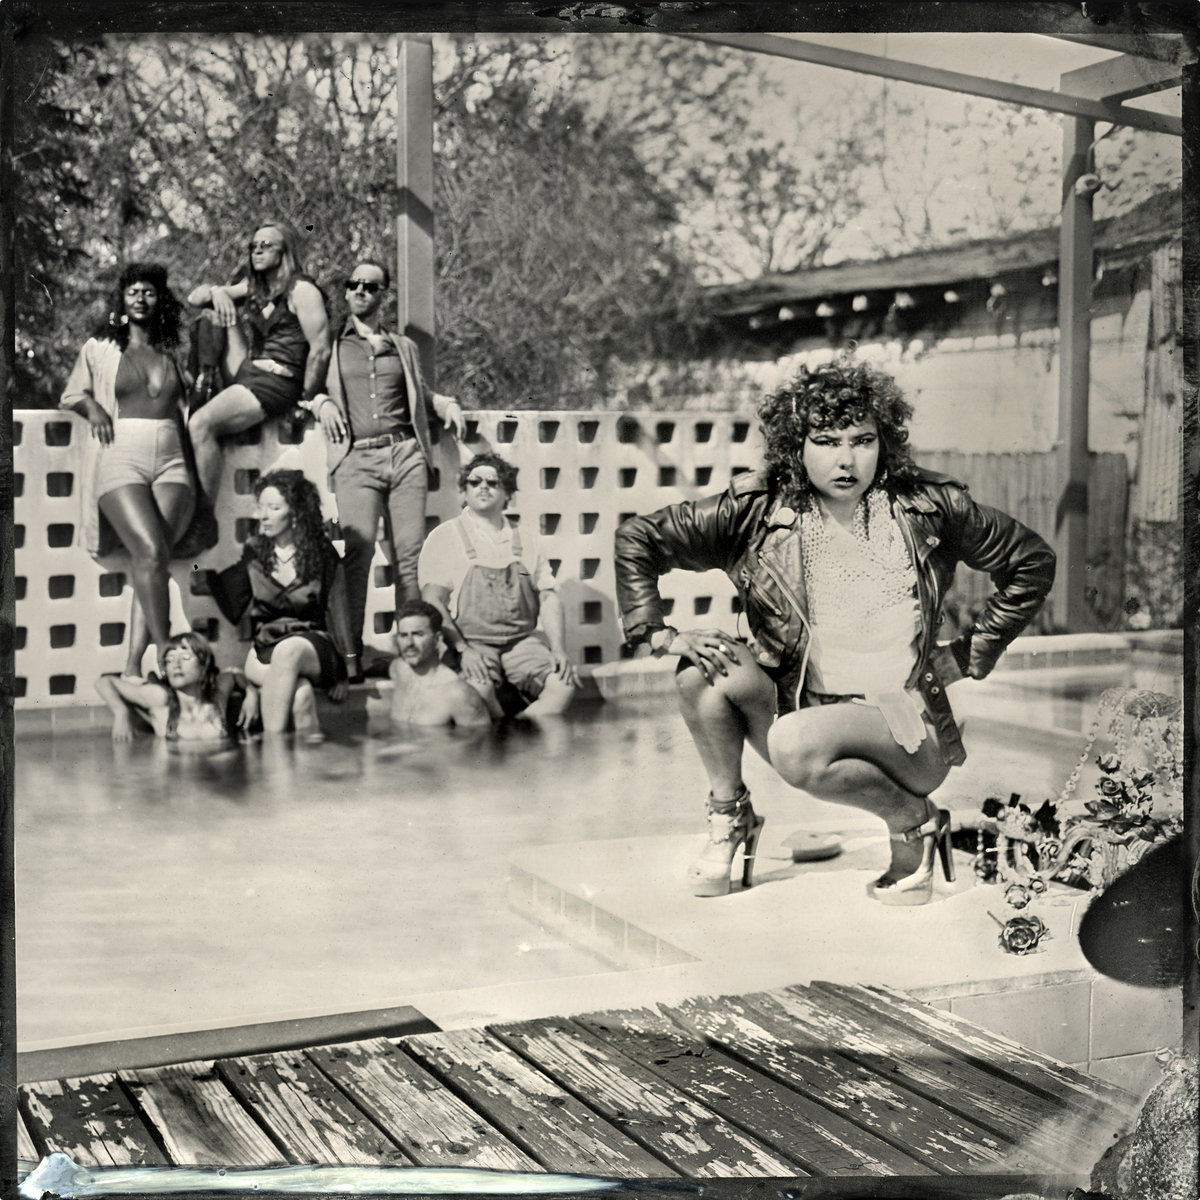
x: 788, y: 314
x: 825, y: 309
x: 904, y: 300
x: 950, y: 296
x: 1050, y: 278
x: 859, y: 303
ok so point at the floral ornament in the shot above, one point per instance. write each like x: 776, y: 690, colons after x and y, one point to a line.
x: 1017, y: 895
x: 1021, y: 935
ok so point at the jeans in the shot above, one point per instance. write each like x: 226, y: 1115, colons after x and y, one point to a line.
x: 383, y: 481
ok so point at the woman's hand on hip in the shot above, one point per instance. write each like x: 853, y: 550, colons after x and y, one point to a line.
x: 100, y: 422
x: 711, y: 650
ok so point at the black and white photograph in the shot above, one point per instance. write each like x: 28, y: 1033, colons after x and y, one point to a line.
x: 456, y: 750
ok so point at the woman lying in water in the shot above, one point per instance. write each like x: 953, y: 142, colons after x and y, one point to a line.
x: 190, y: 705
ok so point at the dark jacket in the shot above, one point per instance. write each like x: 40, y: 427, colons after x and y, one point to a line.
x: 750, y: 535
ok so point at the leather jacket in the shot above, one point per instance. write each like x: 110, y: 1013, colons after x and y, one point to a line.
x: 748, y: 533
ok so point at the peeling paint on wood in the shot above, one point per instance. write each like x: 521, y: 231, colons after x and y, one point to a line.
x: 309, y: 1117
x: 92, y: 1120
x: 199, y: 1120
x: 942, y: 1140
x: 818, y: 1140
x: 557, y: 1130
x: 431, y: 1124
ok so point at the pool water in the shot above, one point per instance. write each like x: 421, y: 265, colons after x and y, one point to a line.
x: 161, y: 891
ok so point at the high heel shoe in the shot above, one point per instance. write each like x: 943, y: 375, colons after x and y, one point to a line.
x: 709, y: 875
x: 917, y: 888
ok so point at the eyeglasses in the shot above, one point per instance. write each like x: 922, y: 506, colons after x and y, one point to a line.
x: 265, y: 246
x: 480, y: 481
x: 367, y: 285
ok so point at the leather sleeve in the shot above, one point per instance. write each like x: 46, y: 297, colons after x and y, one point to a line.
x: 702, y: 535
x: 1020, y: 565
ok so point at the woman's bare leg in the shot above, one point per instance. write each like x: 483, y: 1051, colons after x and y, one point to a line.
x: 722, y: 716
x: 292, y: 659
x: 135, y: 517
x: 230, y: 411
x: 845, y: 753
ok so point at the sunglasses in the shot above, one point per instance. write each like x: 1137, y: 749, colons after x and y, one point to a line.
x: 480, y: 481
x: 265, y: 246
x: 367, y: 285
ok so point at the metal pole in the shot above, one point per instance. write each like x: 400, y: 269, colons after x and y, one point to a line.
x: 414, y: 182
x: 1071, y: 609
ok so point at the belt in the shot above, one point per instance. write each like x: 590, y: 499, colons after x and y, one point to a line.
x: 383, y: 439
x: 274, y: 368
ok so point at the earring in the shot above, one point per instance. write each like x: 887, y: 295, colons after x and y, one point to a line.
x: 113, y: 319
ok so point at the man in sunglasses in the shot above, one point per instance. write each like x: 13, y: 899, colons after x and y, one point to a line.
x: 375, y: 415
x: 491, y: 581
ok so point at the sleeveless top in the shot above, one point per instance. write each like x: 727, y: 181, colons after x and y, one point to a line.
x: 278, y: 335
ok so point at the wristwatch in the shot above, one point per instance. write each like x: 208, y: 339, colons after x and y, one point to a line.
x: 661, y: 639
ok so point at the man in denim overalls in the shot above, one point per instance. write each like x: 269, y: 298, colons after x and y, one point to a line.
x: 491, y: 582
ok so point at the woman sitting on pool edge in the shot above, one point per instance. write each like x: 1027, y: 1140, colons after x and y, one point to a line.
x: 290, y: 581
x: 842, y: 550
x: 192, y: 704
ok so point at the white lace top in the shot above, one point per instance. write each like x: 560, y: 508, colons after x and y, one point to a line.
x: 862, y: 607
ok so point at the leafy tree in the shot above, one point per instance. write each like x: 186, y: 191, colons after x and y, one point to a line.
x: 554, y: 243
x: 41, y: 167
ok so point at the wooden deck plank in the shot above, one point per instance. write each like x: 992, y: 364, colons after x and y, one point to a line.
x: 199, y: 1120
x: 305, y: 1113
x: 670, y: 1123
x: 92, y: 1120
x: 1056, y: 1133
x: 558, y: 1131
x: 944, y: 1141
x: 991, y: 1051
x: 431, y: 1124
x: 819, y: 1141
x: 25, y: 1147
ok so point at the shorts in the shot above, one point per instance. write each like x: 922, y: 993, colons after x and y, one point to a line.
x: 144, y: 450
x: 277, y: 394
x: 524, y: 663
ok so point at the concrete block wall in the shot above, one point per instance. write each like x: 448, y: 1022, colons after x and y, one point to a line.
x: 580, y: 475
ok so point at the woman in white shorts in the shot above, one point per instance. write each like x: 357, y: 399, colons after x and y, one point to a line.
x: 137, y: 475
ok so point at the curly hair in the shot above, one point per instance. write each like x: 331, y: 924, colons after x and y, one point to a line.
x: 308, y: 526
x: 164, y: 326
x: 505, y: 471
x: 833, y: 395
x: 210, y: 673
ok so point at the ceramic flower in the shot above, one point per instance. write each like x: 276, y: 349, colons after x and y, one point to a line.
x: 1021, y: 935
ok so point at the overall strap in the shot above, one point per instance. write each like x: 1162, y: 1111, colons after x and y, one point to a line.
x: 468, y: 544
x: 516, y: 538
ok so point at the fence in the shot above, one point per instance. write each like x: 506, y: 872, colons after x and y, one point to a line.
x: 580, y: 475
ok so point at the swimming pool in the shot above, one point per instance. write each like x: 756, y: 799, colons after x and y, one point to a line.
x: 158, y: 892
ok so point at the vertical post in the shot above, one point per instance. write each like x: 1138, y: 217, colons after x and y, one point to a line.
x: 414, y: 182
x: 1071, y: 610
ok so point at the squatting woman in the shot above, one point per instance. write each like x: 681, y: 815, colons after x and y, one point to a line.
x: 290, y: 581
x: 842, y: 550
x: 138, y: 481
